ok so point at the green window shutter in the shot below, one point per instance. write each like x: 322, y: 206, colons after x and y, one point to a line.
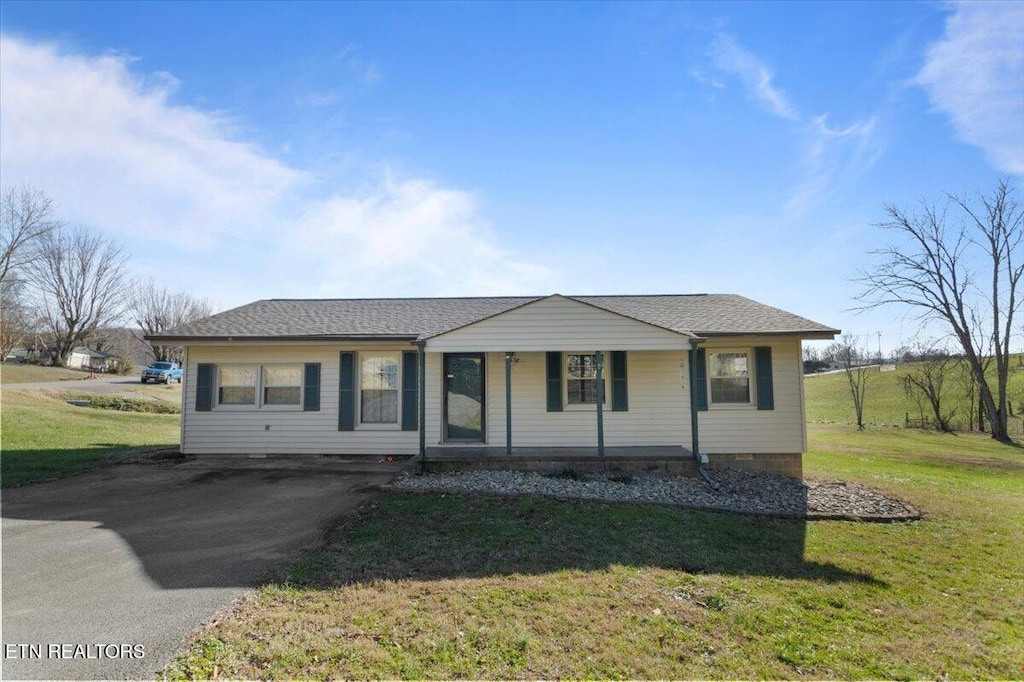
x: 763, y: 367
x: 311, y: 390
x: 410, y: 373
x: 554, y: 373
x: 204, y: 387
x: 700, y: 378
x: 620, y: 396
x: 347, y: 393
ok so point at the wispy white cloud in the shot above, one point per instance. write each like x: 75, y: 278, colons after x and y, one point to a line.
x: 118, y: 152
x: 701, y: 76
x: 833, y: 156
x: 365, y: 70
x: 412, y: 235
x: 115, y: 151
x: 829, y: 155
x: 975, y: 74
x: 727, y: 54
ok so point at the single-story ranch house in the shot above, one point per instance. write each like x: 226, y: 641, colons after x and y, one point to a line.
x: 714, y: 378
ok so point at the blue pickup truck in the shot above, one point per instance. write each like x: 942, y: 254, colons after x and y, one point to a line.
x: 162, y: 373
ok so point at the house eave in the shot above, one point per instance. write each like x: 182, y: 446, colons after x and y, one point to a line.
x: 191, y: 340
x: 809, y: 335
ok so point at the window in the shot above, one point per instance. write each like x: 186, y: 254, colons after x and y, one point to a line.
x: 282, y: 385
x: 237, y: 384
x: 274, y: 385
x: 581, y: 378
x: 378, y: 383
x: 729, y: 376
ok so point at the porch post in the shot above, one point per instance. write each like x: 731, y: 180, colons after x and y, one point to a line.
x: 508, y: 403
x: 422, y: 384
x: 694, y: 439
x: 600, y: 403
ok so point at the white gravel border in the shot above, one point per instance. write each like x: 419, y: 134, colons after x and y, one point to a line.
x: 743, y: 492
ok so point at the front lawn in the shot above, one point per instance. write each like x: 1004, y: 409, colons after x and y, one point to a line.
x: 13, y: 373
x: 43, y: 437
x: 480, y: 587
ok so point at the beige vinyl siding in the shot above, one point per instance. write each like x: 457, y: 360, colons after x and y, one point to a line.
x: 657, y: 384
x: 658, y: 408
x: 557, y: 323
x: 745, y: 429
x: 243, y: 430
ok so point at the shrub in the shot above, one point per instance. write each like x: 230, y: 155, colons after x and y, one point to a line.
x: 114, y: 402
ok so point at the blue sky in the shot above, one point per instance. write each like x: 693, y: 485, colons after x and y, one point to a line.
x: 246, y: 151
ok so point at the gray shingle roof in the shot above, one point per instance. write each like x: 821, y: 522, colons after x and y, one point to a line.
x: 418, y: 318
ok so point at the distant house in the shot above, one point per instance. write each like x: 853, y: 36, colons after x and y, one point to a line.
x: 87, y: 358
x: 716, y: 378
x: 18, y: 354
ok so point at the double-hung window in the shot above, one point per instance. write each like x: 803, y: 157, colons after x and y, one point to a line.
x: 236, y: 384
x: 729, y: 377
x: 581, y: 378
x: 282, y: 385
x: 378, y: 384
x: 259, y: 385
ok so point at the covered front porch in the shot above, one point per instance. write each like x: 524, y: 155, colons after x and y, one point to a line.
x: 557, y: 384
x: 650, y: 458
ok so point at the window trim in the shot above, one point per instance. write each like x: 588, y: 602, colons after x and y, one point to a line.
x: 566, y: 405
x: 258, y: 404
x: 358, y: 389
x: 751, y: 379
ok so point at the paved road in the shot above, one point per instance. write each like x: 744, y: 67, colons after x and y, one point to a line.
x: 100, y: 383
x: 141, y: 554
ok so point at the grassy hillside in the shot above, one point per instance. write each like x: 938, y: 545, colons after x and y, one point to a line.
x: 43, y: 437
x: 885, y: 403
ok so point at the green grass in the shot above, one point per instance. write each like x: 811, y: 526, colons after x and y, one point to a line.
x: 422, y: 586
x: 12, y: 373
x: 43, y: 437
x: 828, y: 398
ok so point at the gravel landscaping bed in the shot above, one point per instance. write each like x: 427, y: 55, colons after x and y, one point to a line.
x: 745, y: 492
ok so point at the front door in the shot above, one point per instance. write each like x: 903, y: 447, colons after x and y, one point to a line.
x: 464, y: 397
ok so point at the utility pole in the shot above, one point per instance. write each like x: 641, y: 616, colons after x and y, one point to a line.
x: 879, y: 347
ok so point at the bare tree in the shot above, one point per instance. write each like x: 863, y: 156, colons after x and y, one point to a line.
x: 26, y: 218
x: 934, y: 273
x: 854, y: 359
x: 928, y: 380
x: 80, y: 281
x: 156, y: 309
x: 14, y: 316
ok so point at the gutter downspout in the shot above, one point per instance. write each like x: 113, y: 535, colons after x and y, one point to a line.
x: 508, y: 403
x: 600, y: 406
x: 421, y: 356
x: 700, y: 459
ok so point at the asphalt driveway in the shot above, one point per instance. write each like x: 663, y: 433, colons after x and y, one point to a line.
x: 140, y: 554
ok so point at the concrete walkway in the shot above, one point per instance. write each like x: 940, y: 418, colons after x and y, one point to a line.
x: 139, y: 555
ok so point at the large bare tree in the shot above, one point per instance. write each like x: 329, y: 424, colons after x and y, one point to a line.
x: 156, y: 309
x: 963, y: 270
x: 79, y: 278
x: 26, y: 218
